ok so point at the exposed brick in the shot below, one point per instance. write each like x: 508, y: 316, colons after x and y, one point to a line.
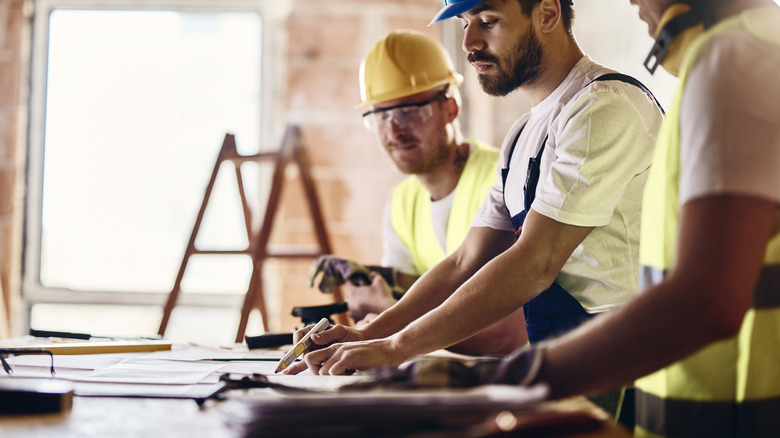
x: 418, y: 23
x: 348, y: 145
x: 6, y: 190
x: 12, y: 27
x: 313, y: 88
x: 318, y: 37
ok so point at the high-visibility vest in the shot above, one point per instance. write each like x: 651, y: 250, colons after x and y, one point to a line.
x: 410, y: 208
x: 730, y: 388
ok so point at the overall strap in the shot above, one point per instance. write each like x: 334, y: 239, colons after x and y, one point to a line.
x: 505, y: 169
x: 534, y: 163
x: 629, y: 80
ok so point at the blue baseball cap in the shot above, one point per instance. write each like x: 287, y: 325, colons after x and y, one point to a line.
x: 456, y: 7
x: 452, y: 8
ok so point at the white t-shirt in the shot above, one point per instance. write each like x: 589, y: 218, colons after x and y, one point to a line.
x: 396, y: 255
x: 600, y: 140
x: 734, y: 146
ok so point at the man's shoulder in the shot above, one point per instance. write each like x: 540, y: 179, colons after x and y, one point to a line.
x: 609, y: 92
x: 411, y: 182
x: 408, y: 190
x: 483, y: 152
x: 595, y: 80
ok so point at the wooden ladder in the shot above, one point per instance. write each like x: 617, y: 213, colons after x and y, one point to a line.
x: 291, y: 149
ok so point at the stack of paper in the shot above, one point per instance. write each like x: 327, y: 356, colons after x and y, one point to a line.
x: 419, y: 413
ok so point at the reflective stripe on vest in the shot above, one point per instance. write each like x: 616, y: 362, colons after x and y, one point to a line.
x: 410, y: 208
x: 730, y: 388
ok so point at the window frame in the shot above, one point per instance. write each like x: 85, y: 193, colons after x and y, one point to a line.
x: 272, y: 17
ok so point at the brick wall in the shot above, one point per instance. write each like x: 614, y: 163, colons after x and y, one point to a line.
x: 325, y: 42
x: 13, y: 59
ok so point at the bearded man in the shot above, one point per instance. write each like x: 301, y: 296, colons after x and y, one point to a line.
x: 559, y: 232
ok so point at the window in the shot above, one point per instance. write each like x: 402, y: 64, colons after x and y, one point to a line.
x: 130, y: 104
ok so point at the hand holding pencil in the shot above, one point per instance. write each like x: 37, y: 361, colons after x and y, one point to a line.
x: 302, y: 346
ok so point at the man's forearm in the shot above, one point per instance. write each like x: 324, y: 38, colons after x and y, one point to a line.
x: 703, y: 300
x: 428, y: 292
x: 500, y: 287
x: 479, y: 247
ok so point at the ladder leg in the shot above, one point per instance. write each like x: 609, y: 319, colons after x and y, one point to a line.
x: 254, y: 298
x: 173, y: 296
x: 228, y: 145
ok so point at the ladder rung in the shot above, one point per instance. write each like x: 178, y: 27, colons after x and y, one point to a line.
x: 295, y: 253
x: 262, y: 156
x: 222, y: 251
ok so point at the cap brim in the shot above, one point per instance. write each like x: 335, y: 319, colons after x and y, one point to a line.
x: 454, y: 9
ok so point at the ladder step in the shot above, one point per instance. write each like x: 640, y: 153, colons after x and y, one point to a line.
x: 280, y: 253
x: 222, y: 251
x: 290, y: 150
x: 296, y: 252
x: 262, y: 156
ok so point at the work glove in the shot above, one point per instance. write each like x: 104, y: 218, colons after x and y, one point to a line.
x: 519, y: 368
x: 336, y: 271
x: 433, y: 372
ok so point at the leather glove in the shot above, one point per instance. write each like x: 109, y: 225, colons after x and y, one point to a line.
x: 336, y: 271
x: 436, y: 372
x: 521, y: 367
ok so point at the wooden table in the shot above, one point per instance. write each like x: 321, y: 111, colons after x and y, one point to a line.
x: 145, y: 417
x: 117, y: 413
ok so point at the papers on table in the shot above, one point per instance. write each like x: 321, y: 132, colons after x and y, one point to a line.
x: 185, y: 371
x: 179, y: 372
x: 443, y: 412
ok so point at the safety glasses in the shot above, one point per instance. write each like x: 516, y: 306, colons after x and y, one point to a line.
x: 409, y: 113
x: 18, y: 352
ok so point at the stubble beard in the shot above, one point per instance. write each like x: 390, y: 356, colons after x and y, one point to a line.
x: 527, y: 66
x: 438, y: 156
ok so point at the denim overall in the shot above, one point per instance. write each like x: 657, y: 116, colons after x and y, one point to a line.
x: 554, y: 311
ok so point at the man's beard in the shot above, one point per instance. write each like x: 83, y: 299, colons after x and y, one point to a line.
x: 526, y: 68
x: 437, y: 155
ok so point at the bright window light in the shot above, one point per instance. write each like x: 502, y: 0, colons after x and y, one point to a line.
x: 137, y: 105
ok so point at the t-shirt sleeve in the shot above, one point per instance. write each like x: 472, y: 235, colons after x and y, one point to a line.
x: 601, y: 143
x: 731, y: 143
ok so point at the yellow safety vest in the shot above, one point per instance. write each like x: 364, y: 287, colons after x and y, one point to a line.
x: 730, y: 388
x: 410, y: 208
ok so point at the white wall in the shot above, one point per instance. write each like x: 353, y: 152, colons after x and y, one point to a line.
x: 611, y: 33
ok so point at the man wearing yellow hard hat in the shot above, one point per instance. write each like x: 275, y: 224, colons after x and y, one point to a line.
x: 411, y: 102
x: 558, y: 234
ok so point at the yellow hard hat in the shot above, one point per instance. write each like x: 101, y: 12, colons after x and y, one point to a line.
x: 403, y: 63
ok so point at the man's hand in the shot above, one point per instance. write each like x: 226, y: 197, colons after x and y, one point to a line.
x: 337, y: 333
x: 374, y: 298
x: 336, y: 271
x: 366, y: 319
x: 347, y: 358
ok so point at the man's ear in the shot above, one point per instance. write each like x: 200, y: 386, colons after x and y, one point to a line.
x: 549, y: 15
x: 453, y: 110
